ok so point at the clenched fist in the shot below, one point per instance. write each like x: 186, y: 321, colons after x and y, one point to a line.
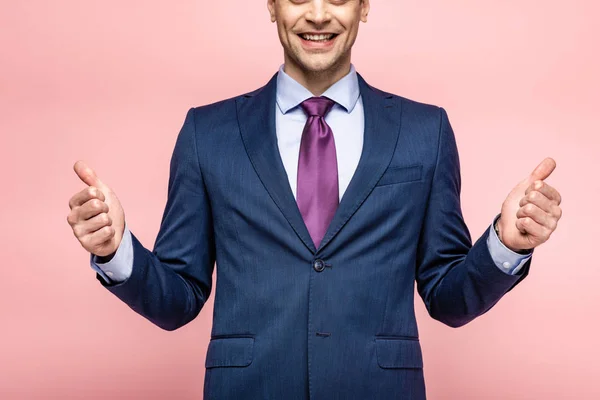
x: 96, y: 217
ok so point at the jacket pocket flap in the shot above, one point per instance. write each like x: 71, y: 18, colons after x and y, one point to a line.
x: 398, y: 353
x: 229, y: 352
x: 401, y: 174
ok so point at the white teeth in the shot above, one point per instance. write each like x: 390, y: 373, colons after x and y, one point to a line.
x: 317, y: 38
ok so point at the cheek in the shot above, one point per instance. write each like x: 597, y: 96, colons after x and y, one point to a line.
x: 285, y: 29
x: 352, y: 33
x: 283, y: 33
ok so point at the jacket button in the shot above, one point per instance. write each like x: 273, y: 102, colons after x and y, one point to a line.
x: 319, y: 265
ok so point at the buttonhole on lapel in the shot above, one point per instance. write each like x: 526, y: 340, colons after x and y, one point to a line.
x: 327, y: 265
x: 324, y: 334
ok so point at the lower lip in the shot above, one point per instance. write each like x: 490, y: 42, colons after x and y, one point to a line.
x: 322, y: 45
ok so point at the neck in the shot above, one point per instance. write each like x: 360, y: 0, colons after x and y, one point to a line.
x: 317, y: 82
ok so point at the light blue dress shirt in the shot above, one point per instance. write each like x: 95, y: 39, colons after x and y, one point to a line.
x: 346, y: 120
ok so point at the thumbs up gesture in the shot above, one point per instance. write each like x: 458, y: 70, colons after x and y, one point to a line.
x: 531, y: 211
x: 96, y: 217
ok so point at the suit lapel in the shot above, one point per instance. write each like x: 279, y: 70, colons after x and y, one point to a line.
x: 382, y: 125
x: 256, y: 117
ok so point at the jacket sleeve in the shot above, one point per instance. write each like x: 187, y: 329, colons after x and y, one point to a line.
x: 457, y: 281
x: 170, y: 285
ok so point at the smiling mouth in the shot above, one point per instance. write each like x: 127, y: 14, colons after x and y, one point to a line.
x: 325, y: 37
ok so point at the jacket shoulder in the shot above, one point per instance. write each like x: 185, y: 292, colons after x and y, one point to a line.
x: 408, y: 103
x: 218, y: 118
x: 220, y: 111
x: 225, y: 104
x: 417, y: 116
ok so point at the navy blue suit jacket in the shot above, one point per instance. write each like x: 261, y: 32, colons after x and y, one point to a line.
x: 292, y: 321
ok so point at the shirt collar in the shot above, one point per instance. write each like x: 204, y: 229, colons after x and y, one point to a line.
x: 290, y: 93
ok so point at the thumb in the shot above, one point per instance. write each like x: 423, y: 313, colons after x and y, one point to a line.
x: 543, y: 170
x: 87, y: 175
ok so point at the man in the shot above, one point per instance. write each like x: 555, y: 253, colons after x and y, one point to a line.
x: 322, y: 200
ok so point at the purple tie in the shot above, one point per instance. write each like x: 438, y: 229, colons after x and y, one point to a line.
x: 317, y: 192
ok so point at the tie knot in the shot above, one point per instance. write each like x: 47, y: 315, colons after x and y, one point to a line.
x: 317, y: 106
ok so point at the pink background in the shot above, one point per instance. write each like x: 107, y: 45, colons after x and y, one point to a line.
x: 110, y: 82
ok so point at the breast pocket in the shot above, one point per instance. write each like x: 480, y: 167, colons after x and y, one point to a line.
x: 401, y: 174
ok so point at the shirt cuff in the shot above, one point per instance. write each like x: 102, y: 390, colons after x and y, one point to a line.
x: 508, y: 261
x: 119, y: 268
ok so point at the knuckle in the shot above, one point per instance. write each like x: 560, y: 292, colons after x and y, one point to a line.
x: 522, y: 221
x: 540, y: 185
x: 77, y: 230
x: 85, y: 241
x: 546, y: 234
x: 107, y: 232
x: 530, y: 208
x: 532, y: 196
x: 98, y: 235
x: 96, y: 204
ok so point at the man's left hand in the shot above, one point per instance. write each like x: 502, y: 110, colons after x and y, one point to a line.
x: 531, y: 211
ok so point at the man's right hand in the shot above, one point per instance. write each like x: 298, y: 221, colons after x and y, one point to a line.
x: 96, y: 217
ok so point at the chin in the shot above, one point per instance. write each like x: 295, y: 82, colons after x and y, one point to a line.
x: 318, y: 65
